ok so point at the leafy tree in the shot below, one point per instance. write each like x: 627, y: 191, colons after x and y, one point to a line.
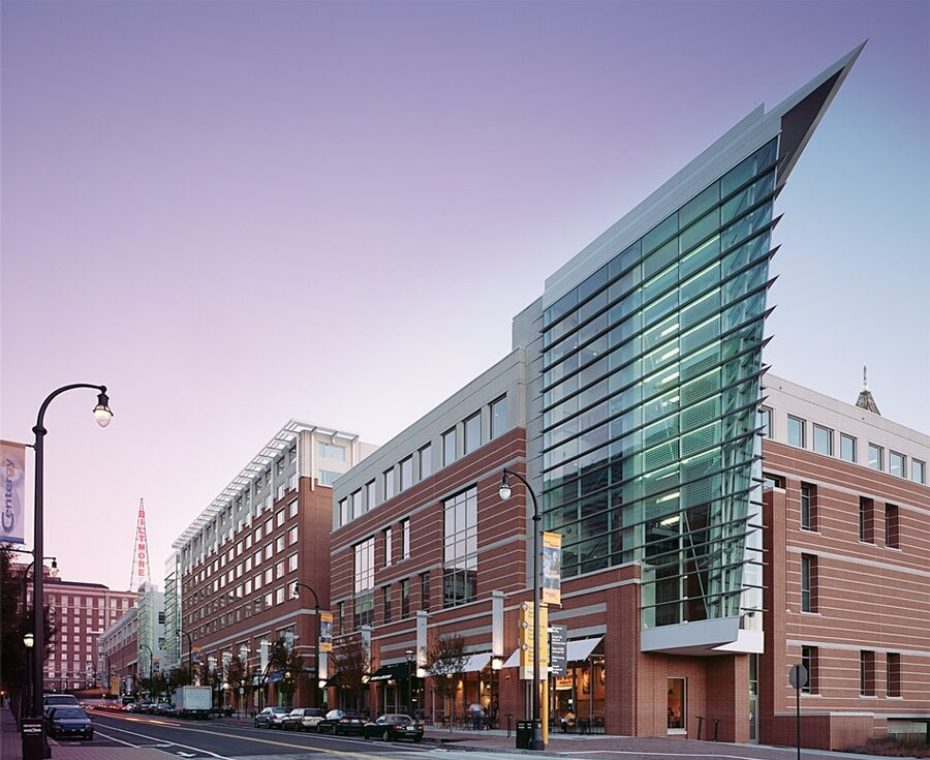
x: 351, y: 663
x: 445, y: 659
x: 286, y: 661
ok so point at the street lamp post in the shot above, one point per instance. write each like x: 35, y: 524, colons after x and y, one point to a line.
x: 29, y: 643
x: 316, y: 648
x: 190, y: 654
x: 53, y: 572
x: 536, y: 743
x: 151, y: 666
x: 103, y: 415
x: 409, y: 657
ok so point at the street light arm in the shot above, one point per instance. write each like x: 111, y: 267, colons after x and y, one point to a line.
x: 529, y: 489
x: 48, y: 400
x: 316, y: 600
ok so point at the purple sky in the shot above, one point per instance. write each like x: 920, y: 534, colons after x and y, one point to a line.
x: 238, y: 213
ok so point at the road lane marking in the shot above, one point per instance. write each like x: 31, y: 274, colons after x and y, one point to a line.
x: 305, y: 747
x: 714, y: 756
x: 161, y: 740
x: 98, y: 732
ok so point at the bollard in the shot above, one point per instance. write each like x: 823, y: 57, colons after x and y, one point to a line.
x: 716, y: 725
x: 700, y: 720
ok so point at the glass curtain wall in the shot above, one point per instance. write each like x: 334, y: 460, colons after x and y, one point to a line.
x: 651, y: 387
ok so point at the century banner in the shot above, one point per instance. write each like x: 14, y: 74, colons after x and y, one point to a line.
x: 326, y: 631
x: 552, y: 568
x: 13, y: 519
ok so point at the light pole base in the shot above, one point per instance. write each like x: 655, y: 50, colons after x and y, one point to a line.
x: 537, y: 744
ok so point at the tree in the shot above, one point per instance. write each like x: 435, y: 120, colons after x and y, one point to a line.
x: 289, y: 663
x: 445, y: 659
x: 351, y: 663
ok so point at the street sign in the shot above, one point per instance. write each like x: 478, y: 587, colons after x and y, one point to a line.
x: 797, y: 677
x: 558, y: 649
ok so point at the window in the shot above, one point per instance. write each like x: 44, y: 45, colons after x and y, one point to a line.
x: 809, y: 661
x: 406, y: 473
x: 386, y: 603
x: 876, y: 457
x: 388, y: 484
x: 823, y: 440
x: 292, y: 563
x: 388, y: 546
x: 893, y: 674
x: 327, y: 477
x: 796, y: 431
x: 364, y: 581
x: 867, y: 673
x: 426, y: 461
x: 279, y: 595
x: 405, y: 598
x: 919, y: 471
x: 808, y: 506
x: 292, y: 536
x: 371, y: 499
x: 279, y: 542
x: 473, y: 433
x: 278, y: 519
x: 340, y: 617
x: 765, y: 421
x: 343, y: 511
x: 460, y: 548
x: 897, y: 464
x: 448, y: 447
x: 269, y: 550
x: 808, y: 583
x: 866, y: 520
x: 892, y: 531
x: 499, y: 417
x: 330, y: 451
x: 772, y: 481
x: 677, y: 714
x: 424, y: 591
x: 357, y: 507
x: 847, y: 447
x: 405, y: 539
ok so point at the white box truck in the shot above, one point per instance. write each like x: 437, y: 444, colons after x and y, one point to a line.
x: 193, y: 701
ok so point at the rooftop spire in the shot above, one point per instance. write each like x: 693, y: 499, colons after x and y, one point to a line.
x: 866, y: 400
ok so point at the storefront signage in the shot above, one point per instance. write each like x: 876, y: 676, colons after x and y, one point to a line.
x: 558, y: 649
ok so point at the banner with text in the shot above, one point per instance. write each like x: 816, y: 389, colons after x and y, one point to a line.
x: 13, y: 481
x: 526, y: 626
x: 326, y: 631
x: 552, y: 569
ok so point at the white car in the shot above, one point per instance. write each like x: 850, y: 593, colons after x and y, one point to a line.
x: 303, y: 718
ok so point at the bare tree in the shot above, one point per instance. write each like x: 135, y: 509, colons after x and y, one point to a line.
x: 445, y: 659
x: 351, y: 663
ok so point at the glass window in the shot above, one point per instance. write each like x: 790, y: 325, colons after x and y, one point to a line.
x: 867, y: 673
x: 893, y: 674
x: 424, y: 591
x: 330, y: 451
x: 808, y: 506
x: 892, y: 527
x: 866, y: 520
x: 765, y: 421
x: 847, y: 447
x: 823, y: 440
x: 292, y: 563
x: 460, y: 548
x: 292, y: 536
x: 473, y: 433
x: 279, y: 518
x: 808, y: 583
x: 389, y: 484
x: 897, y: 464
x: 809, y: 661
x: 448, y: 447
x: 279, y: 542
x: 343, y: 511
x: 499, y: 416
x: 386, y: 603
x: 426, y: 461
x: 405, y: 538
x: 796, y: 431
x: 405, y: 598
x: 876, y: 457
x: 371, y: 499
x: 327, y: 478
x: 677, y: 712
x: 919, y: 471
x: 358, y: 509
x: 364, y: 581
x: 388, y: 546
x: 406, y: 473
x: 293, y: 508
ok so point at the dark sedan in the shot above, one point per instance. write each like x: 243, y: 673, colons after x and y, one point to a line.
x: 394, y: 727
x: 69, y: 721
x: 342, y: 723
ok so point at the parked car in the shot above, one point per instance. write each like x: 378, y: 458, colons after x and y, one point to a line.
x: 58, y: 700
x: 303, y: 719
x: 66, y: 720
x: 163, y: 708
x: 393, y: 727
x: 271, y: 717
x: 342, y: 723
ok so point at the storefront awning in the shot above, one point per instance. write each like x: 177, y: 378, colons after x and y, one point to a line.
x: 476, y: 662
x: 580, y: 650
x: 398, y: 671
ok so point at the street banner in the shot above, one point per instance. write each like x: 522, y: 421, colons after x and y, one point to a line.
x: 552, y: 569
x: 13, y: 481
x: 527, y: 642
x: 326, y: 631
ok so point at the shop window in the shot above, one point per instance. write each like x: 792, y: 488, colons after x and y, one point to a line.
x: 677, y: 707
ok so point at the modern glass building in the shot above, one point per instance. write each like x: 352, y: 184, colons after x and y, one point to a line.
x: 651, y: 358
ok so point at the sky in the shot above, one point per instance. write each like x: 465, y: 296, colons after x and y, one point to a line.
x: 236, y: 214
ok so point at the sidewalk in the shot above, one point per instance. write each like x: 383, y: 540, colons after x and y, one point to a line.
x: 11, y: 746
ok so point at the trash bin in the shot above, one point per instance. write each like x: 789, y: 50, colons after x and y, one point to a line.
x: 525, y: 733
x: 33, y: 738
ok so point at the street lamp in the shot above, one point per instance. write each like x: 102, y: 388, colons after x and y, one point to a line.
x: 409, y: 657
x: 151, y: 666
x: 504, y: 492
x: 316, y: 649
x: 190, y: 654
x: 103, y: 415
x: 53, y: 572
